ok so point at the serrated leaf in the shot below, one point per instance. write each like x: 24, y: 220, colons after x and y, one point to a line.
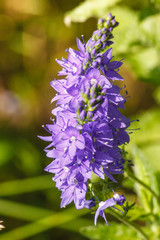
x: 87, y: 9
x: 114, y: 231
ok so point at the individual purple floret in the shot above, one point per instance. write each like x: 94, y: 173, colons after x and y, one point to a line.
x: 90, y: 203
x: 117, y: 199
x: 102, y: 206
x: 120, y: 199
x: 89, y: 130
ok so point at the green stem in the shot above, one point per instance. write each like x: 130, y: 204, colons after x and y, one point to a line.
x: 128, y: 223
x: 131, y: 176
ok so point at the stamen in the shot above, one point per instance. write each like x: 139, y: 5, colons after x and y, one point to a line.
x: 136, y: 120
x: 82, y: 36
x: 75, y: 181
x: 46, y: 129
x: 73, y: 139
x: 123, y: 87
x: 52, y: 119
x: 66, y: 169
x: 133, y: 129
x: 93, y: 81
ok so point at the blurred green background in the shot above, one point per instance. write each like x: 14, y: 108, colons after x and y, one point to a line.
x: 32, y: 34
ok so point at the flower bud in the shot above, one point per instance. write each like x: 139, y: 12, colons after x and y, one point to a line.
x: 98, y: 34
x: 93, y: 90
x: 113, y: 22
x: 90, y: 203
x: 98, y: 44
x: 92, y: 102
x: 95, y: 64
x: 104, y: 45
x: 99, y: 98
x: 104, y: 37
x: 109, y: 17
x: 116, y: 24
x: 85, y: 97
x: 104, y: 30
x: 110, y: 36
x: 100, y: 21
x: 93, y: 52
x: 82, y: 115
x: 89, y: 115
x: 120, y: 199
x: 92, y: 45
x: 103, y: 92
x: 110, y: 29
x: 99, y: 59
x: 101, y: 84
x: 107, y: 24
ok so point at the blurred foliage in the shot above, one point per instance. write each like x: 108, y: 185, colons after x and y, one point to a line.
x: 32, y: 34
x: 138, y: 36
x: 114, y: 232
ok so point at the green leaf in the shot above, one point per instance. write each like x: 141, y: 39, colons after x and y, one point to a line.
x: 127, y: 183
x: 128, y: 31
x: 6, y: 152
x: 157, y: 4
x: 148, y: 137
x: 114, y: 231
x: 152, y: 152
x: 157, y: 95
x: 87, y: 9
x: 143, y: 171
x: 151, y: 30
x: 28, y: 157
x: 145, y: 62
x: 136, y: 213
x: 149, y: 125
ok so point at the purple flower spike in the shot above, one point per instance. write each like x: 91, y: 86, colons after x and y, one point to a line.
x: 86, y: 137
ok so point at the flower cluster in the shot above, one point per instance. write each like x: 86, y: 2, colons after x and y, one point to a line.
x: 89, y: 128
